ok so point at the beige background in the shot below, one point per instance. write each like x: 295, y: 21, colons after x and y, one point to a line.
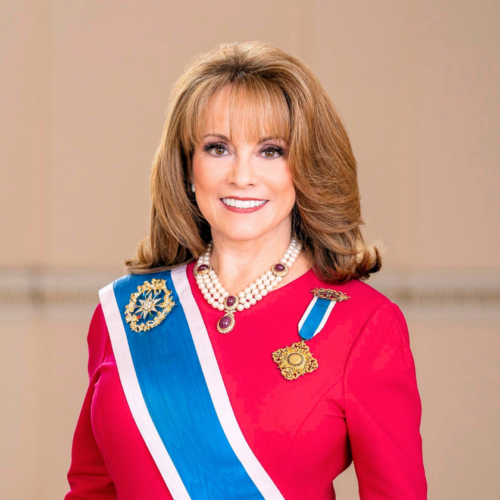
x: 83, y: 89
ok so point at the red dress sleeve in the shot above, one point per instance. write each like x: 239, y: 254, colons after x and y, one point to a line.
x: 383, y: 410
x: 88, y: 476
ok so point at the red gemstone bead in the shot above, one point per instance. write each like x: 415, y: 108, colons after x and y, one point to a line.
x: 224, y: 322
x: 231, y: 300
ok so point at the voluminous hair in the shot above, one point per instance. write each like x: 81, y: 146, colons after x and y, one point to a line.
x: 278, y: 93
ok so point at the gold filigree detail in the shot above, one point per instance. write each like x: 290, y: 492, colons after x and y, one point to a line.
x: 330, y: 294
x: 295, y: 360
x: 156, y: 303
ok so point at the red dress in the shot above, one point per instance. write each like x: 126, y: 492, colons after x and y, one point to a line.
x: 361, y: 404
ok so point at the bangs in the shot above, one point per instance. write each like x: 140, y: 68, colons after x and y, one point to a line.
x: 257, y: 109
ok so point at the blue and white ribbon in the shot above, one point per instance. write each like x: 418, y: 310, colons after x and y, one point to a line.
x: 315, y: 317
x: 177, y: 397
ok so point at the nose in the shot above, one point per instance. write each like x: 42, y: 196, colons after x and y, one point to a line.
x: 242, y: 172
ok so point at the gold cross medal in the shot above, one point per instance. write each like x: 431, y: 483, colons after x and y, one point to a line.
x: 297, y: 360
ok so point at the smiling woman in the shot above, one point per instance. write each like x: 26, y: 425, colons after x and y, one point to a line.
x: 241, y: 170
x: 255, y: 235
x: 256, y: 93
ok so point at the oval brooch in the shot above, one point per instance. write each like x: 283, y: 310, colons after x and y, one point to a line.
x: 149, y: 306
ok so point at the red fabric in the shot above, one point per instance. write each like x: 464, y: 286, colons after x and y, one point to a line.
x: 362, y: 403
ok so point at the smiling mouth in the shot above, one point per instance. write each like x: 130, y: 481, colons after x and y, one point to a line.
x: 243, y: 204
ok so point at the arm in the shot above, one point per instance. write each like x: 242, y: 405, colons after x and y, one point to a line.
x: 88, y: 476
x: 383, y: 410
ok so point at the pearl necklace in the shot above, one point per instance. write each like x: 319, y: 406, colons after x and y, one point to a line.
x: 219, y: 298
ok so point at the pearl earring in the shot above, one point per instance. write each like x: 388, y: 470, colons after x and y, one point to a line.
x: 192, y: 188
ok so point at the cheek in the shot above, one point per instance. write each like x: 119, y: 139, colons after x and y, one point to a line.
x: 197, y: 167
x: 204, y: 176
x: 282, y: 184
x: 207, y: 179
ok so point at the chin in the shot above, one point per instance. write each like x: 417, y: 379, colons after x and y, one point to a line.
x: 242, y: 232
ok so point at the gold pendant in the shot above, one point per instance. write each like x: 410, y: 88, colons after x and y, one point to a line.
x: 295, y: 360
x: 154, y: 306
x: 227, y: 322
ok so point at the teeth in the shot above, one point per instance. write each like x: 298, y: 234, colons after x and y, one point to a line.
x: 243, y: 203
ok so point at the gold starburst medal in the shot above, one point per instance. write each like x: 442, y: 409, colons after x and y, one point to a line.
x: 155, y: 302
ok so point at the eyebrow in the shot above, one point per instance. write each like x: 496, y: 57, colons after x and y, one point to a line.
x: 224, y: 138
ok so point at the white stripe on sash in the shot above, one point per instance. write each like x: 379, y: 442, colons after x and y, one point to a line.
x: 134, y: 395
x: 217, y: 388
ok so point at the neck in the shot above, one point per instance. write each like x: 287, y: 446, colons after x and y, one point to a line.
x: 239, y: 263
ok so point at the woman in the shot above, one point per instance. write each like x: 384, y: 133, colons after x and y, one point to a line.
x: 242, y: 356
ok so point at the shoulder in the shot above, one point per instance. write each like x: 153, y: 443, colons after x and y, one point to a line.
x: 131, y: 282
x: 117, y: 294
x: 366, y: 317
x: 382, y: 318
x: 378, y: 308
x: 98, y: 340
x: 364, y: 295
x: 381, y: 339
x: 361, y: 303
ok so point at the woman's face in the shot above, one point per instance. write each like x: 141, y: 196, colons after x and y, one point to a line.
x: 243, y: 188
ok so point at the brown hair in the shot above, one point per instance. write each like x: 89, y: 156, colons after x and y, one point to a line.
x: 283, y: 93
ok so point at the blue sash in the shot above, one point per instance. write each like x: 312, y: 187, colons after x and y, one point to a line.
x: 178, y: 399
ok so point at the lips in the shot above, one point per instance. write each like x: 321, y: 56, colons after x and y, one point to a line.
x: 243, y: 205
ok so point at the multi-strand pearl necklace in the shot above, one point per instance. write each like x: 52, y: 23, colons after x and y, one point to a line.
x: 219, y: 297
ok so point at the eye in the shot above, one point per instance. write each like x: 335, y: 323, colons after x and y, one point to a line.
x: 273, y: 152
x: 215, y: 149
x: 219, y: 150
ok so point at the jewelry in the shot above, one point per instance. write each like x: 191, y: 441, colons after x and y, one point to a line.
x: 219, y: 297
x: 154, y: 295
x: 330, y: 294
x: 192, y: 188
x: 297, y: 360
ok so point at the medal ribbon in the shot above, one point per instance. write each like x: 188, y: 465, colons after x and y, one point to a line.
x: 315, y: 317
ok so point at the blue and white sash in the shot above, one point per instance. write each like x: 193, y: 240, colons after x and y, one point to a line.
x: 177, y: 397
